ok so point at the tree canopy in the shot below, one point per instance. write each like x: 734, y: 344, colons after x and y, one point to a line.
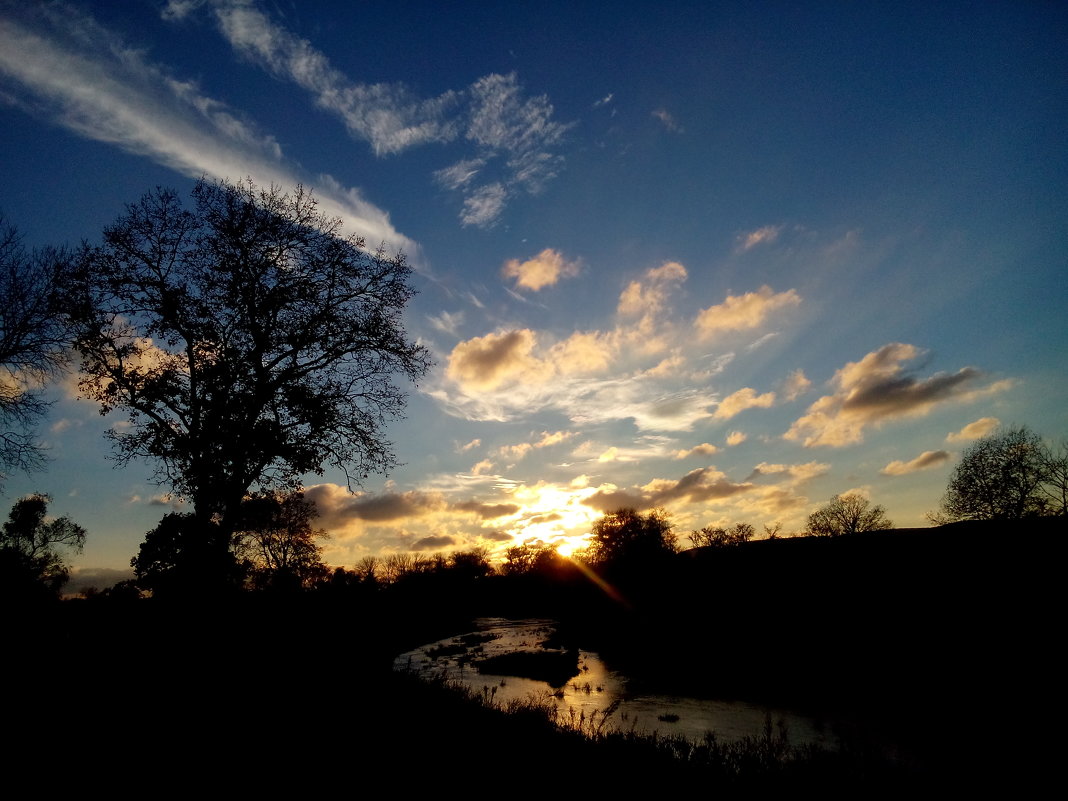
x: 625, y: 536
x: 248, y: 341
x: 33, y: 344
x: 999, y: 477
x: 847, y: 514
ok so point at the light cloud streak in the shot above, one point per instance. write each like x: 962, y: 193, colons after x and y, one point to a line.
x: 761, y: 236
x: 385, y: 115
x: 704, y: 449
x: 924, y: 461
x: 63, y: 66
x: 744, y: 312
x: 974, y: 430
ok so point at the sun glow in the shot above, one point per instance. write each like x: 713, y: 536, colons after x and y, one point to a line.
x: 553, y: 515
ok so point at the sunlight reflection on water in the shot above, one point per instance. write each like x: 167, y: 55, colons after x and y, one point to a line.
x: 594, y: 689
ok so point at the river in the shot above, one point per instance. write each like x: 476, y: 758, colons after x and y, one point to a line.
x: 597, y: 692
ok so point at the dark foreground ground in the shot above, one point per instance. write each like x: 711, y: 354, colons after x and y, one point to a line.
x: 948, y: 644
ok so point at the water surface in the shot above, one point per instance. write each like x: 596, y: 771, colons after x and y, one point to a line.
x: 597, y: 693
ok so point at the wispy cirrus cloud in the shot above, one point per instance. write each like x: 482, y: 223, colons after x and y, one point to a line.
x: 878, y: 388
x: 447, y: 322
x: 387, y: 116
x: 515, y: 135
x: 761, y: 236
x: 60, y: 64
x: 667, y: 119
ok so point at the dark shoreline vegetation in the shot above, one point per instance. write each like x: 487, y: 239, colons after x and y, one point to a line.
x: 932, y: 636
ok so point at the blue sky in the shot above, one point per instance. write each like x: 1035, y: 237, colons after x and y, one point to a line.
x: 727, y: 259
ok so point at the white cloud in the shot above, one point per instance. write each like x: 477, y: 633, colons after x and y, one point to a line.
x: 460, y: 174
x: 386, y: 115
x: 513, y: 133
x: 484, y: 205
x: 447, y: 322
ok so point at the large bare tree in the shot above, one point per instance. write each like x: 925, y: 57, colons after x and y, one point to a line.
x: 248, y: 341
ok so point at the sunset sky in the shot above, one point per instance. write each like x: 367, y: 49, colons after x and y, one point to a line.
x: 727, y: 259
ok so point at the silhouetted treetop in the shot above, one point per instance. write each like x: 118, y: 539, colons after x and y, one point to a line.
x: 32, y: 548
x: 999, y: 477
x: 624, y: 536
x: 847, y: 514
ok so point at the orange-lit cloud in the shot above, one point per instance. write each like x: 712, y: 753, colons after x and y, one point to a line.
x: 487, y: 511
x: 795, y: 385
x: 877, y: 389
x: 704, y: 449
x: 520, y: 450
x: 543, y: 270
x: 696, y: 487
x: 744, y: 312
x: 735, y: 438
x: 337, y: 507
x: 924, y: 461
x: 482, y: 468
x: 745, y: 398
x: 489, y: 361
x: 974, y: 430
x: 796, y: 473
x: 646, y: 299
x: 610, y: 455
x: 583, y: 352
